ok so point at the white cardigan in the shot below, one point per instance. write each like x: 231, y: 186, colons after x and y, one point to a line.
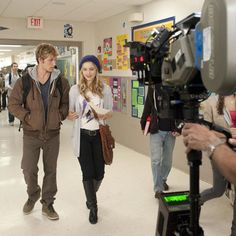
x: 74, y: 106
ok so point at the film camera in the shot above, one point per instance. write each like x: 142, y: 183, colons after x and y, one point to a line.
x: 197, y: 55
x: 188, y: 62
x: 167, y: 59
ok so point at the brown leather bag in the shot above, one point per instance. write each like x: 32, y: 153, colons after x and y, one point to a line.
x: 108, y: 143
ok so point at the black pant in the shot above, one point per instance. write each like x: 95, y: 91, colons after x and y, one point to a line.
x: 91, y: 157
x: 11, y: 118
x: 4, y: 99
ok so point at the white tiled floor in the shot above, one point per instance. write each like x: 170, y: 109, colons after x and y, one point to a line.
x: 127, y: 206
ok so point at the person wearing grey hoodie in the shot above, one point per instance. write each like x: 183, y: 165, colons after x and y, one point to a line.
x: 41, y: 115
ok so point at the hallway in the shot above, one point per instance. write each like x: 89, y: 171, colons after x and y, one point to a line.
x: 126, y: 202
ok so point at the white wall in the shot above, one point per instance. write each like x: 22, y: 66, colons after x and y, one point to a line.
x: 125, y: 128
x: 52, y: 30
x: 161, y: 9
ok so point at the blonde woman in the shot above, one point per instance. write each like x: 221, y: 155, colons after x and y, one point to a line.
x: 86, y: 136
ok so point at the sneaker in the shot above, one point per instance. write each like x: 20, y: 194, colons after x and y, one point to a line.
x: 29, y: 206
x: 49, y: 211
x: 158, y: 195
x: 11, y: 123
x: 166, y: 186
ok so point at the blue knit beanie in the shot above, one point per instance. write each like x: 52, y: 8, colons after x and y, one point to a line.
x: 90, y: 58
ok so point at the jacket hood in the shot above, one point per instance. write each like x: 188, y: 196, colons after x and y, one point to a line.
x: 33, y: 73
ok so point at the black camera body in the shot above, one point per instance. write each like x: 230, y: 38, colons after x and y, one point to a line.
x: 167, y: 58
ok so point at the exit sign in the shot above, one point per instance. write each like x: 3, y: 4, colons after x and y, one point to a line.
x: 34, y: 22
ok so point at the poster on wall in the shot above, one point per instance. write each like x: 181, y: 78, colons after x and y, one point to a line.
x: 137, y: 98
x: 68, y: 31
x: 116, y: 91
x: 122, y: 53
x: 106, y: 80
x: 124, y: 95
x: 107, y: 53
x: 141, y: 33
x: 119, y: 90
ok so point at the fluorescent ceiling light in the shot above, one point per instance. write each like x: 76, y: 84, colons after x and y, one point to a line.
x: 8, y: 45
x: 5, y: 50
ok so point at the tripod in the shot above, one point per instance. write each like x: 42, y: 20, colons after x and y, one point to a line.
x: 194, y: 161
x: 179, y: 211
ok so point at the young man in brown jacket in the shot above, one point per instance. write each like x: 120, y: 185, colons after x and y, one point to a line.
x: 41, y: 114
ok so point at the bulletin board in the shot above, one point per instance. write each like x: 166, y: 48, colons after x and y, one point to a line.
x: 141, y: 33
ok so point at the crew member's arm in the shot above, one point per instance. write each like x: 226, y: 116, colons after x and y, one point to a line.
x: 225, y: 160
x: 198, y: 137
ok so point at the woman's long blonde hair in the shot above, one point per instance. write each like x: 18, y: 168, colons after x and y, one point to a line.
x: 96, y: 86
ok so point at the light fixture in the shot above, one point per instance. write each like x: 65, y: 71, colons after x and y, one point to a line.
x: 10, y: 46
x: 5, y: 50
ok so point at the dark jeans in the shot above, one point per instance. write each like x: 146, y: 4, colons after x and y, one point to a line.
x: 11, y: 118
x: 29, y: 164
x: 91, y: 157
x: 4, y: 99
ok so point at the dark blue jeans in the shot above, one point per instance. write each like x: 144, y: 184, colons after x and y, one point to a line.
x: 11, y: 118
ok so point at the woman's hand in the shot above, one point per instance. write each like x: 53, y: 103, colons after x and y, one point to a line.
x: 108, y: 115
x: 72, y: 115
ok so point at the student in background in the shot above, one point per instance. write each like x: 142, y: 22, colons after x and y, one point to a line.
x: 162, y: 141
x: 10, y: 81
x: 86, y: 137
x: 4, y: 93
x: 2, y: 87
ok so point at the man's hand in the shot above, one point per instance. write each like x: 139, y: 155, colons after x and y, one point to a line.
x: 198, y: 137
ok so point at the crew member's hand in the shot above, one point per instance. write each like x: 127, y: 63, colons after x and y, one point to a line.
x: 233, y: 140
x: 72, y: 115
x: 198, y: 137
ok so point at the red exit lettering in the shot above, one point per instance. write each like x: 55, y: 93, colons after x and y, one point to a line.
x: 35, y: 21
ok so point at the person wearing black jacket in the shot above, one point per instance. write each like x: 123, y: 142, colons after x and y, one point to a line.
x: 162, y: 141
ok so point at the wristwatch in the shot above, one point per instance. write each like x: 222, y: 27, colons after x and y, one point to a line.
x: 211, y: 148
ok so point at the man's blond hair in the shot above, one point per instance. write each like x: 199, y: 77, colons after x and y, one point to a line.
x: 44, y: 50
